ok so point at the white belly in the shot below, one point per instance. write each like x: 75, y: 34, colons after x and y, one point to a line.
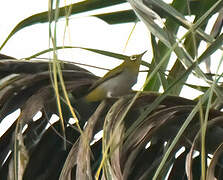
x: 119, y: 85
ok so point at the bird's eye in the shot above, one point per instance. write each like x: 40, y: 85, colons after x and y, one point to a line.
x: 133, y: 58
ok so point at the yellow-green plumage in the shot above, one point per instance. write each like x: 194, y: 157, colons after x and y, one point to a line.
x: 116, y: 82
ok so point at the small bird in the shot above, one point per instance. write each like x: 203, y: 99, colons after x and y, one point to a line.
x: 117, y: 81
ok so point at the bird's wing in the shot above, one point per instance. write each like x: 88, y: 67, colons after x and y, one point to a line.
x: 115, y: 72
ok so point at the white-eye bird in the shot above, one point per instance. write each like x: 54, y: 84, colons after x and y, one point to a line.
x: 116, y: 82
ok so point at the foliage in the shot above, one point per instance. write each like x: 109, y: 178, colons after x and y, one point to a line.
x: 146, y: 134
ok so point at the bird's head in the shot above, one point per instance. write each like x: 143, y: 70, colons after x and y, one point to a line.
x: 134, y: 61
x: 136, y: 57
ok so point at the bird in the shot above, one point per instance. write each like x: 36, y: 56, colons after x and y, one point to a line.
x: 117, y: 82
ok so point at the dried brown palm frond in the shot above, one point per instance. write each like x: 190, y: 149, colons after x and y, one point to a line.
x: 132, y: 146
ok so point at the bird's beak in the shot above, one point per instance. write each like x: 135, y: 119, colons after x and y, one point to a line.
x: 141, y: 55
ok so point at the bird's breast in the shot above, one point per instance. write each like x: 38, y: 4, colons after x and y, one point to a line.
x: 119, y: 85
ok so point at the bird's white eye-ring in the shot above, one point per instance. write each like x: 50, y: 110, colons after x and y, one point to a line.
x: 133, y: 58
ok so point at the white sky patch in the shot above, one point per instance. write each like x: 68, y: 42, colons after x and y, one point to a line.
x: 195, y: 154
x: 179, y: 152
x: 148, y: 145
x: 168, y: 1
x: 54, y: 118
x: 167, y: 175
x: 24, y: 128
x: 8, y: 121
x: 97, y: 137
x: 37, y: 116
x: 7, y: 156
x: 209, y: 159
x: 72, y: 121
